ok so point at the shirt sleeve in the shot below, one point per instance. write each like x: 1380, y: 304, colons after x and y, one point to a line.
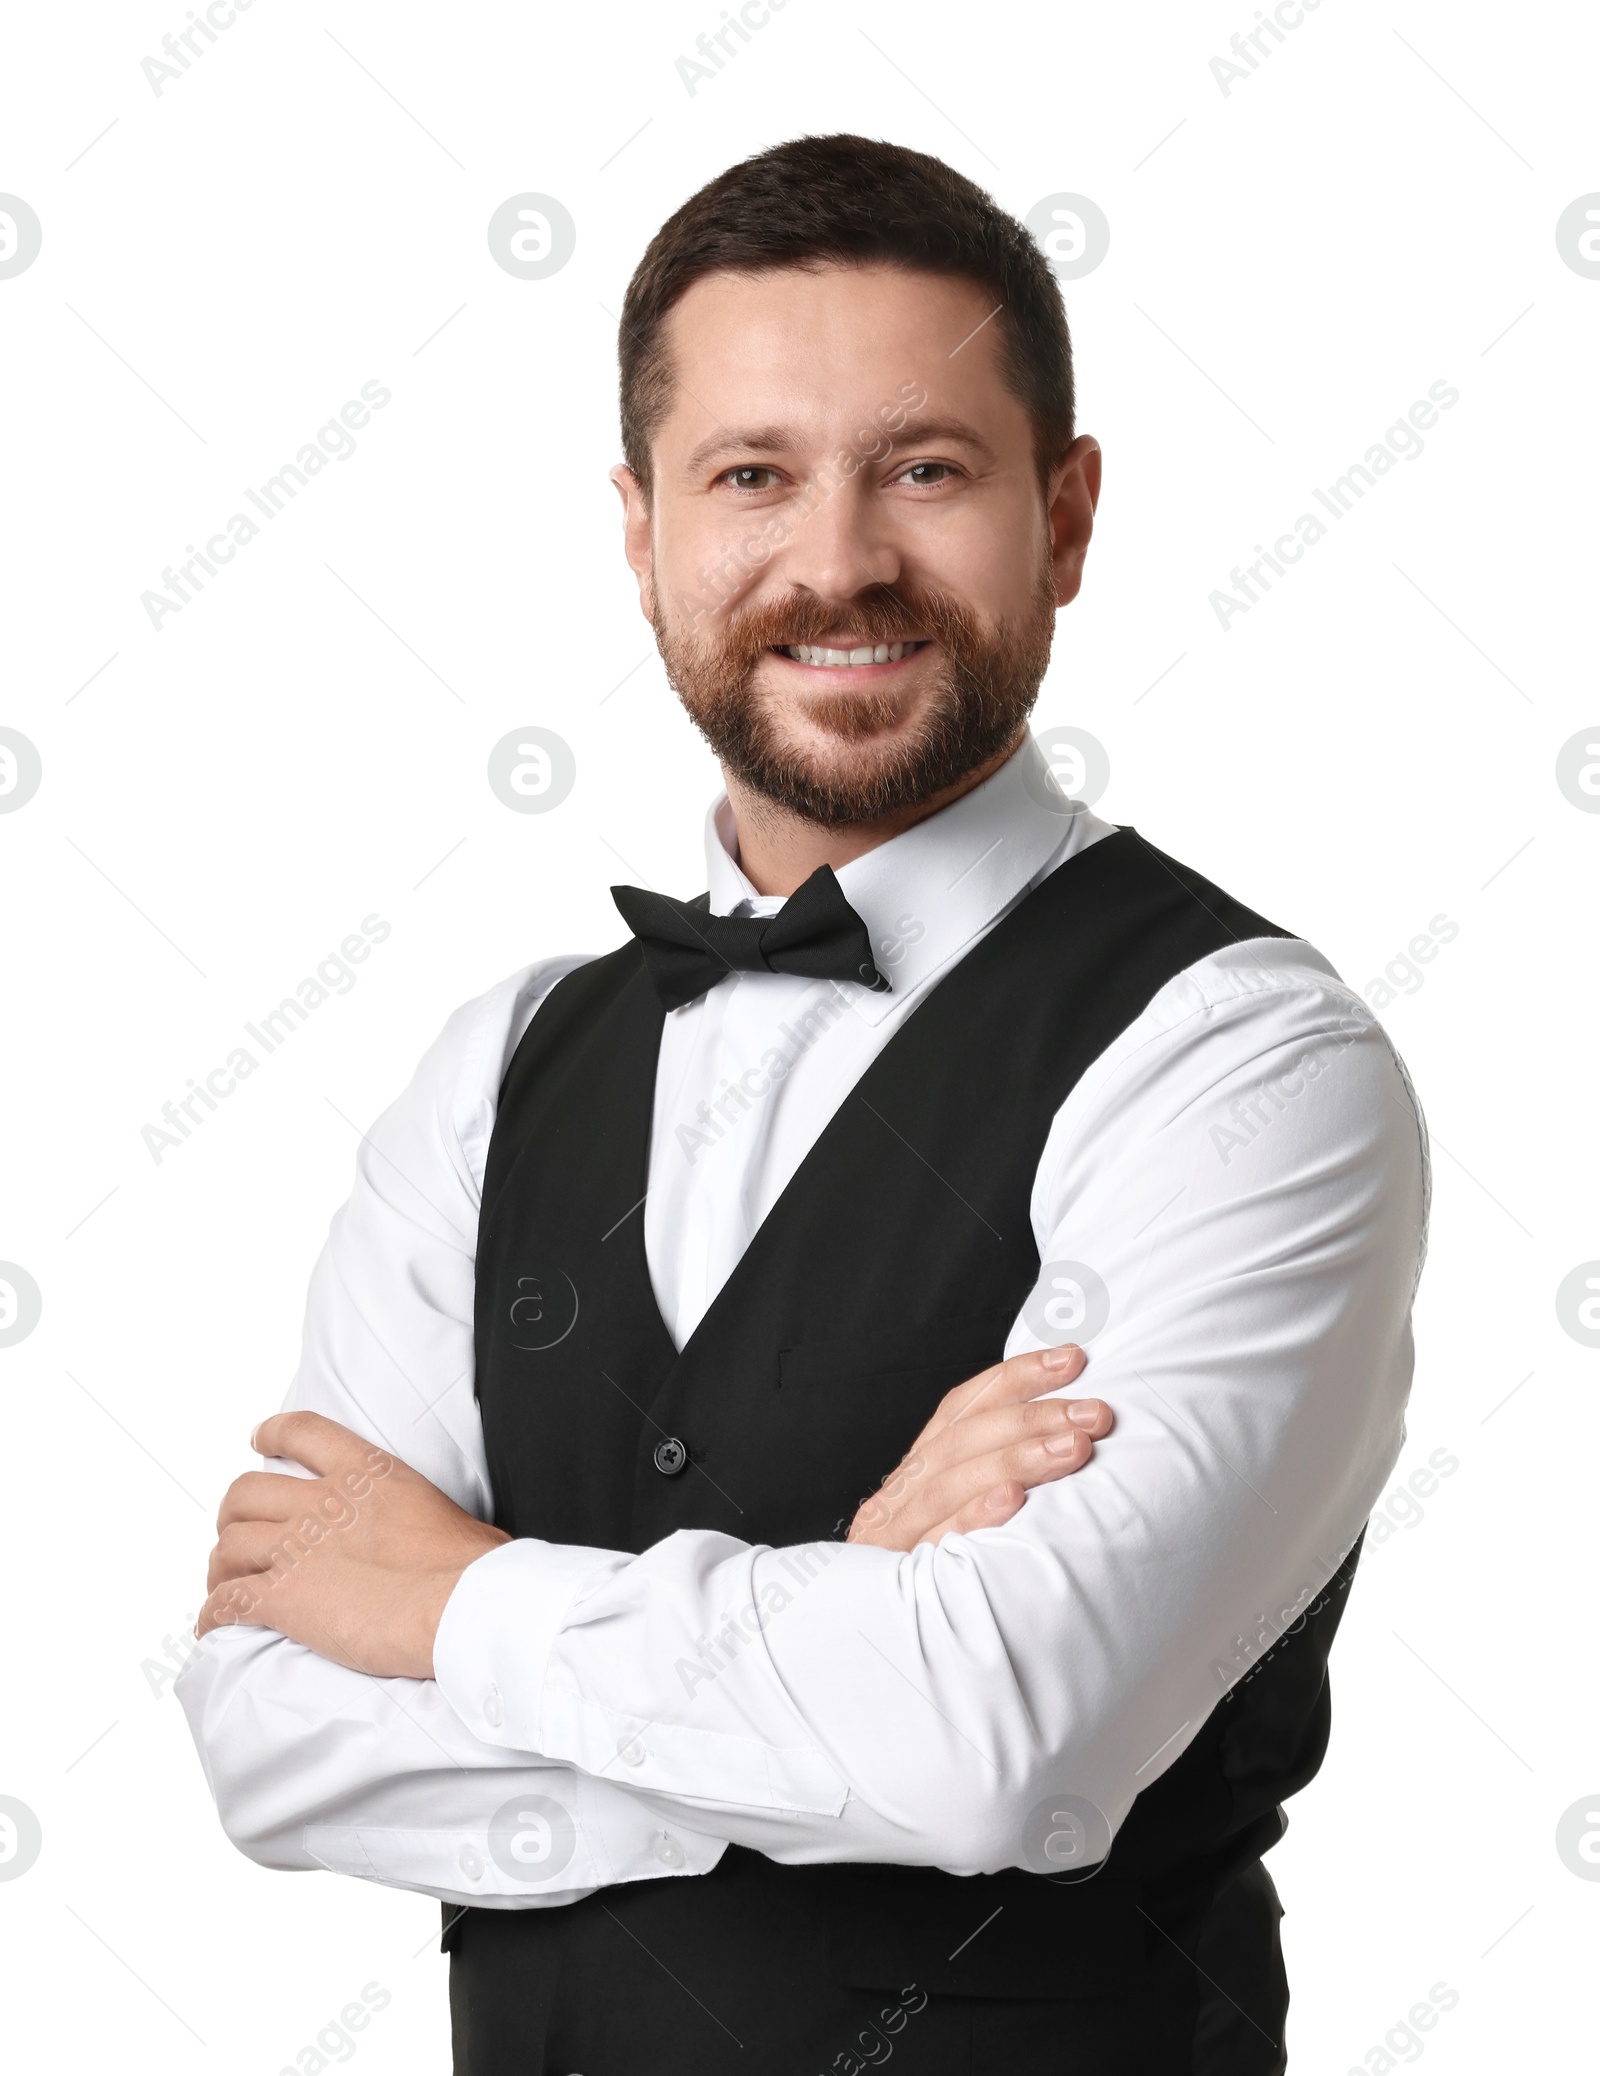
x: 310, y: 1764
x: 1230, y: 1214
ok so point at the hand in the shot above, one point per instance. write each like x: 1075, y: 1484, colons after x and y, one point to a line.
x: 990, y: 1441
x: 356, y: 1562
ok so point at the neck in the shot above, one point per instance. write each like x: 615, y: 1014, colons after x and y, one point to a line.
x: 779, y: 850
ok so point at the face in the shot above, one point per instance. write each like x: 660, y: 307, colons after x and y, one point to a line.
x: 847, y: 557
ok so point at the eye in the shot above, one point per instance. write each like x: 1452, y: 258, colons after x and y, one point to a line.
x: 918, y: 474
x: 739, y: 478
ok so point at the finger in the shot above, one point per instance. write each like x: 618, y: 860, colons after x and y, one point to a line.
x: 1020, y: 1377
x: 1092, y: 1415
x: 262, y: 1496
x: 993, y: 1510
x: 944, y: 1493
x: 960, y: 1453
x: 239, y: 1551
x: 278, y: 1499
x: 238, y: 1604
x: 958, y: 1456
x: 322, y: 1445
x: 268, y: 1547
x: 984, y: 1432
x: 1025, y: 1376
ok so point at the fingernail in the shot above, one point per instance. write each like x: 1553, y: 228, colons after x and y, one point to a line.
x: 998, y: 1499
x: 1083, y: 1412
x: 1059, y: 1358
x: 1061, y: 1444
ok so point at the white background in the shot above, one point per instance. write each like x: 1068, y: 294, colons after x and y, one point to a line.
x: 1369, y: 747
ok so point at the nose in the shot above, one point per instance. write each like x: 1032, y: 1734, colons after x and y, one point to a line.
x: 840, y: 545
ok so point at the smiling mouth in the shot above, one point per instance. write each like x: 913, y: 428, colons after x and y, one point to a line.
x: 818, y: 657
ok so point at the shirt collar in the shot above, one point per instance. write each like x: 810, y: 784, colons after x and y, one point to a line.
x: 925, y: 894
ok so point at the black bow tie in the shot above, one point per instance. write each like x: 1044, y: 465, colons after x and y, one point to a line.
x: 687, y: 949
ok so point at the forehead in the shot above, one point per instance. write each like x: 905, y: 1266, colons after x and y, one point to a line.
x: 809, y: 347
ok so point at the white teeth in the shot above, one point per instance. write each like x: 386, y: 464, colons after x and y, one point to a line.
x: 839, y: 659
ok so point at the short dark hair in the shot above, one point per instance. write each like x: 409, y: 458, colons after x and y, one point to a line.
x: 851, y: 201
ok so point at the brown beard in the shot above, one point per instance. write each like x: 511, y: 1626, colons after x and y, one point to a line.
x: 985, y: 689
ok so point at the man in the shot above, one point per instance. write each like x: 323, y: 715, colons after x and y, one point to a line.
x: 668, y: 1257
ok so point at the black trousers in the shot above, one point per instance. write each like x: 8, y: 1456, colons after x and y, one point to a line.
x: 782, y: 1971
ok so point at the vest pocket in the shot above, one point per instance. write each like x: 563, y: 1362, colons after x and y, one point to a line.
x: 963, y: 1345
x: 849, y: 1406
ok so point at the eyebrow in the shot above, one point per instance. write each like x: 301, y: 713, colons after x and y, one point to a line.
x: 778, y: 439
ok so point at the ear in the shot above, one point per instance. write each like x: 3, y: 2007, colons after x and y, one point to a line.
x: 1074, y: 493
x: 636, y: 542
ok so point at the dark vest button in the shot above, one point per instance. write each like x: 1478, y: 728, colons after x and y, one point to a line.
x: 671, y: 1456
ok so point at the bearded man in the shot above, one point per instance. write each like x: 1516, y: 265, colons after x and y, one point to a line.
x: 694, y: 1557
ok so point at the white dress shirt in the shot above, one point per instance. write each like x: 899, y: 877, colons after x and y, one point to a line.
x: 1244, y: 1170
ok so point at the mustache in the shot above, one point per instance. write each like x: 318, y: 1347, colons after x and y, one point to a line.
x: 886, y: 613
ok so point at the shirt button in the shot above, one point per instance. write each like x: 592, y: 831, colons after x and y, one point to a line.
x: 471, y: 1863
x: 494, y: 1709
x: 630, y: 1751
x: 668, y: 1851
x: 670, y: 1456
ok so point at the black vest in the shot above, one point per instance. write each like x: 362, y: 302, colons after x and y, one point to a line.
x: 891, y: 1267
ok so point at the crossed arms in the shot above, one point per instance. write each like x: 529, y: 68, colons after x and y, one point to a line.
x: 907, y: 1696
x: 359, y: 1564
